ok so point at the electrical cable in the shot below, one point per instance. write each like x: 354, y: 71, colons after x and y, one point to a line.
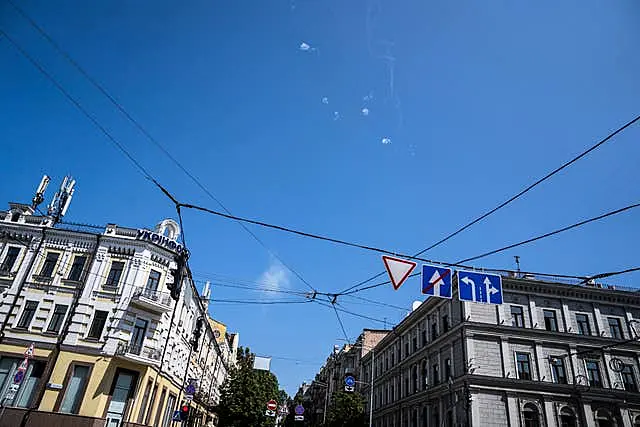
x: 379, y: 303
x: 344, y: 331
x: 514, y: 197
x: 259, y: 302
x: 611, y: 274
x: 148, y: 135
x: 523, y: 242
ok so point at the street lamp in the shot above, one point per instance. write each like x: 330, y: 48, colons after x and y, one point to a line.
x: 326, y: 397
x: 371, y: 350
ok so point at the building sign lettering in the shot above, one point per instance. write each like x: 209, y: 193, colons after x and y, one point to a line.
x: 160, y: 240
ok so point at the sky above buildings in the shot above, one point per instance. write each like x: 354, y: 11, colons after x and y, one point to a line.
x: 379, y: 122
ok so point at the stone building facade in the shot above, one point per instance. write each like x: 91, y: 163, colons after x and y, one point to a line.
x: 112, y: 347
x: 553, y: 354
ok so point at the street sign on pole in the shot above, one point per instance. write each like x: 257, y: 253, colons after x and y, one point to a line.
x: 349, y: 388
x: 272, y: 405
x: 436, y: 281
x: 349, y: 380
x: 270, y: 413
x: 479, y: 287
x: 176, y: 416
x: 398, y: 269
x: 299, y: 418
x: 299, y: 410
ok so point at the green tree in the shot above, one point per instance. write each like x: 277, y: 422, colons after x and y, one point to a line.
x: 346, y: 410
x: 245, y: 394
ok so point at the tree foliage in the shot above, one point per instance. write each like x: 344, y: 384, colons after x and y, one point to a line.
x: 245, y: 394
x: 346, y: 410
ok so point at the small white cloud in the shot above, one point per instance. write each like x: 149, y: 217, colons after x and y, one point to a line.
x: 365, y: 112
x: 386, y: 140
x: 276, y: 276
x: 336, y: 115
x: 304, y: 47
x: 325, y: 100
x: 368, y: 97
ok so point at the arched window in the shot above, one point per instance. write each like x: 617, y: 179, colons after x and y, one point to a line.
x: 567, y: 418
x: 603, y: 418
x: 530, y: 415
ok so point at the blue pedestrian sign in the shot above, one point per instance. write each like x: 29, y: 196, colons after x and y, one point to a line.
x: 436, y: 281
x: 479, y: 287
x: 349, y: 381
x: 176, y: 416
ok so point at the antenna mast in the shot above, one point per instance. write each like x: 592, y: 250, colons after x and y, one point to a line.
x: 60, y: 203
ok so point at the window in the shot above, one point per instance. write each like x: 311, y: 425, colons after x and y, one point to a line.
x: 436, y: 375
x: 530, y: 416
x: 558, y: 373
x: 386, y: 363
x: 424, y: 337
x: 139, y: 333
x: 15, y: 216
x: 160, y: 403
x: 593, y: 373
x: 583, y: 324
x: 10, y: 259
x: 26, y: 389
x: 628, y: 379
x: 77, y: 267
x: 567, y: 418
x: 414, y: 378
x: 27, y: 314
x: 523, y: 364
x: 75, y: 389
x: 434, y: 331
x: 425, y: 374
x: 145, y: 399
x: 168, y: 411
x: 406, y: 385
x: 393, y: 358
x: 49, y: 264
x: 447, y: 369
x: 614, y: 328
x: 406, y: 348
x: 393, y: 396
x: 113, y: 279
x: 97, y: 326
x: 445, y: 323
x: 517, y: 316
x: 153, y: 281
x: 550, y: 320
x: 57, y: 318
x: 415, y: 343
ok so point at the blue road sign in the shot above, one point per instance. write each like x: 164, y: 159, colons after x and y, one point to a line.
x: 349, y: 381
x: 436, y: 281
x: 17, y: 379
x: 480, y: 287
x: 299, y: 410
x: 191, y: 388
x: 176, y: 416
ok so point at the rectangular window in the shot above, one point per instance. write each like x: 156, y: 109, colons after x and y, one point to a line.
x: 583, y: 324
x: 406, y: 349
x: 424, y: 337
x: 593, y: 373
x: 615, y: 329
x: 27, y: 314
x: 153, y: 281
x: 434, y: 331
x: 139, y: 334
x: 113, y: 279
x: 57, y: 318
x: 49, y: 264
x: 523, y: 363
x: 10, y: 259
x: 97, y: 326
x: 76, y: 268
x: 445, y: 323
x: 160, y: 403
x: 517, y: 316
x: 550, y: 320
x: 415, y: 344
x: 557, y: 370
x: 168, y: 411
x: 629, y: 379
x: 75, y: 390
x: 145, y: 399
x: 447, y: 369
x: 436, y: 374
x: 393, y: 358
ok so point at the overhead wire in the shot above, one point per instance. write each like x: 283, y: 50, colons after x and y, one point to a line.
x: 514, y: 197
x: 150, y: 137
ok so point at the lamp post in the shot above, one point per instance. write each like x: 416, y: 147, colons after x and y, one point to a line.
x: 370, y: 384
x: 326, y: 398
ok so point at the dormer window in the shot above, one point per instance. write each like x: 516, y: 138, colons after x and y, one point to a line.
x: 15, y: 216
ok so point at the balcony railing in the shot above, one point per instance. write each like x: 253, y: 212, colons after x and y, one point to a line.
x: 162, y: 299
x: 125, y: 349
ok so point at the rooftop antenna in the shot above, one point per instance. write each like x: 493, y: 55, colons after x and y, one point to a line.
x: 39, y: 196
x: 60, y: 203
x: 518, y: 263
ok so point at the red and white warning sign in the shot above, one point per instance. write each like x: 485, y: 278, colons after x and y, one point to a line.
x: 398, y: 269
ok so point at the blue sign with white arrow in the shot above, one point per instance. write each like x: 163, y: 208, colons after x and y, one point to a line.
x: 479, y: 287
x: 349, y: 381
x: 436, y: 281
x: 176, y: 416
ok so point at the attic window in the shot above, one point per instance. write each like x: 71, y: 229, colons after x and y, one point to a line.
x: 15, y: 216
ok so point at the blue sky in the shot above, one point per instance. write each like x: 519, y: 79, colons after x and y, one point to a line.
x: 485, y: 98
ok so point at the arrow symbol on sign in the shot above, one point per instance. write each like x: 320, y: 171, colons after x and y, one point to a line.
x: 472, y: 284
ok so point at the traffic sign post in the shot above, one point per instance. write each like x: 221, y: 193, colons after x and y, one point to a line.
x: 176, y: 416
x: 436, y: 281
x: 272, y: 405
x: 349, y: 383
x: 299, y: 410
x: 299, y: 418
x: 398, y: 269
x: 479, y: 287
x: 270, y: 413
x: 18, y: 377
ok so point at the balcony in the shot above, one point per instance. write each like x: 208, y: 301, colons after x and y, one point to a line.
x: 152, y: 300
x: 139, y: 353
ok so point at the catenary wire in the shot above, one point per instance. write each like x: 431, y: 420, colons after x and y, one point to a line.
x: 514, y: 197
x: 523, y: 242
x: 150, y: 137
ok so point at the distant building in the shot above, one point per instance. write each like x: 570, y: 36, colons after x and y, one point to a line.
x: 553, y: 354
x: 111, y: 345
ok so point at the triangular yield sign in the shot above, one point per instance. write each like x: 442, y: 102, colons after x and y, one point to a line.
x: 398, y: 269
